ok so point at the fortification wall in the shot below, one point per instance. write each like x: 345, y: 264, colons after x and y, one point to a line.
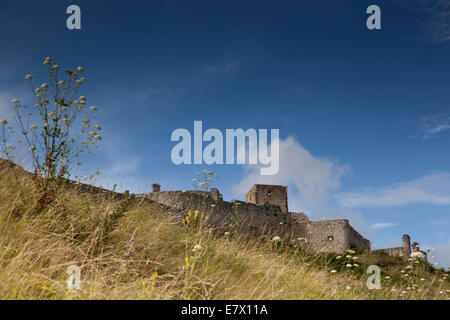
x: 393, y: 251
x: 333, y: 236
x: 356, y: 240
x: 268, y: 220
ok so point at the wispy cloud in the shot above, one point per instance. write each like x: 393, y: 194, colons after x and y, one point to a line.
x: 438, y: 21
x: 226, y: 67
x: 432, y: 126
x: 430, y: 189
x: 434, y: 18
x: 382, y: 225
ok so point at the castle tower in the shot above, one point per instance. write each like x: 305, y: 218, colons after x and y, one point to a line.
x: 415, y: 247
x: 406, y: 245
x: 261, y: 194
x: 156, y: 187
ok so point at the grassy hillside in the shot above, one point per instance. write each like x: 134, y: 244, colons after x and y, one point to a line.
x: 134, y: 250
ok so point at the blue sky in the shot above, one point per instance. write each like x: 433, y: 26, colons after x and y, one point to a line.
x: 364, y: 116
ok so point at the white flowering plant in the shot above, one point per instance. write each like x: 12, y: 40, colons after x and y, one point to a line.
x: 58, y: 131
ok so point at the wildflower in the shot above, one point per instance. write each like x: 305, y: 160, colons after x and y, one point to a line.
x: 29, y: 76
x: 402, y: 271
x: 348, y: 256
x: 83, y: 79
x: 348, y: 265
x: 213, y: 205
x: 46, y: 62
x: 409, y: 267
x: 350, y: 251
x: 82, y: 98
x: 355, y: 258
x: 355, y: 265
x: 202, y: 183
x: 277, y: 239
x: 15, y: 101
x: 97, y: 137
x: 422, y: 279
x: 348, y: 288
x: 281, y: 222
x: 387, y: 277
x: 301, y: 239
x: 338, y: 257
x: 401, y: 255
x: 32, y: 148
x: 56, y: 67
x: 194, y: 180
x: 80, y: 69
x: 428, y: 249
x: 436, y: 264
x: 197, y: 247
x: 33, y: 127
x: 3, y: 121
x: 46, y: 125
x: 93, y: 108
x: 333, y: 271
x: 226, y: 233
x: 44, y: 85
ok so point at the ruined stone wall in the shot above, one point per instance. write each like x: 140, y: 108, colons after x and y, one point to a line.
x: 393, y: 251
x: 267, y: 219
x: 260, y: 194
x: 333, y: 236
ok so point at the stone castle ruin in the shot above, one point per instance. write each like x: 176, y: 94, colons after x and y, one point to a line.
x: 405, y: 250
x: 265, y: 212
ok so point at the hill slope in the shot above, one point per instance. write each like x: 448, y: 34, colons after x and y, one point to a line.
x: 131, y: 249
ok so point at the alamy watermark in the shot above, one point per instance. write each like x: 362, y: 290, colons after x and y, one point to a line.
x: 256, y: 152
x: 74, y: 280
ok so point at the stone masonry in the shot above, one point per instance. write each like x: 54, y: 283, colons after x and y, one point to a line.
x: 265, y: 213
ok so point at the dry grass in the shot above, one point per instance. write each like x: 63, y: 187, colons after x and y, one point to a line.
x: 133, y: 251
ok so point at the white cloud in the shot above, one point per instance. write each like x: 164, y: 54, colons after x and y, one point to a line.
x: 431, y: 126
x: 310, y: 181
x: 311, y: 176
x: 430, y: 189
x: 122, y: 173
x: 382, y: 225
